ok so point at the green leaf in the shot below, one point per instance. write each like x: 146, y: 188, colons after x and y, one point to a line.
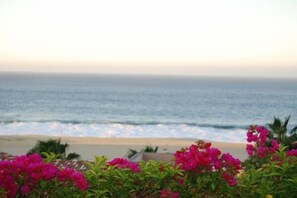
x: 72, y: 156
x: 272, y: 174
x: 213, y: 186
x: 293, y: 131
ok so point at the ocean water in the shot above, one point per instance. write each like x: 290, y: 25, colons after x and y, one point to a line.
x: 217, y: 109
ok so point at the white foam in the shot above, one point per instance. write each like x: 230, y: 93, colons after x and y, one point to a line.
x: 123, y: 130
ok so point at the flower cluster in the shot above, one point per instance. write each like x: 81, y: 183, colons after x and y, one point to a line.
x: 168, y: 194
x: 201, y: 158
x: 292, y: 153
x: 261, y: 147
x: 124, y: 163
x: 25, y: 172
x: 74, y: 177
x: 231, y: 166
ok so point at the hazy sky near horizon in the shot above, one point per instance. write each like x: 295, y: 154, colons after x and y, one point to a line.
x: 213, y: 37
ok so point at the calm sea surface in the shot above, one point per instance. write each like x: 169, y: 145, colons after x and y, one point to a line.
x: 217, y: 109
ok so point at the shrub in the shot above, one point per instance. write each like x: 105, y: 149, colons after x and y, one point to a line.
x: 198, y: 171
x: 147, y: 149
x: 276, y: 177
x: 271, y: 170
x: 207, y: 172
x: 29, y: 176
x: 53, y: 146
x: 279, y: 130
x: 259, y: 147
x: 121, y: 178
x: 150, y: 149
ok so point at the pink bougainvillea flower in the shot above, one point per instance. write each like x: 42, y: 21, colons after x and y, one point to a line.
x: 292, y: 152
x: 275, y: 144
x: 262, y: 151
x: 201, y: 158
x: 118, y: 161
x: 22, y: 174
x: 25, y: 189
x: 250, y: 149
x: 124, y: 163
x: 262, y: 148
x: 263, y: 132
x: 168, y: 194
x: 73, y: 176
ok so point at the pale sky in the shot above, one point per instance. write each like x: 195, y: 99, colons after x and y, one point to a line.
x: 207, y: 37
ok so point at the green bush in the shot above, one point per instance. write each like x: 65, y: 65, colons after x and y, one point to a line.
x: 279, y: 130
x: 271, y: 169
x: 53, y: 146
x: 106, y: 180
x: 277, y: 177
x: 147, y: 149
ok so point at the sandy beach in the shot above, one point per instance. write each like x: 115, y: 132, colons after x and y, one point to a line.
x: 111, y: 147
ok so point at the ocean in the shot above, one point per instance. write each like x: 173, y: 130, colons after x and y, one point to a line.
x: 85, y: 105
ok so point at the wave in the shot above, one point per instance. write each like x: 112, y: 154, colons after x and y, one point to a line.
x: 127, y: 129
x: 76, y: 122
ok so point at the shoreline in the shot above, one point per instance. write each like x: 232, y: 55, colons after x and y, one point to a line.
x: 89, y: 147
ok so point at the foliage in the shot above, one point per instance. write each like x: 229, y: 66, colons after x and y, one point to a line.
x: 200, y: 171
x: 29, y: 176
x: 121, y: 178
x: 271, y: 170
x: 262, y: 142
x: 279, y: 131
x: 277, y: 177
x: 208, y: 172
x: 53, y: 146
x: 49, y: 157
x: 147, y: 149
x: 150, y: 149
x: 131, y: 153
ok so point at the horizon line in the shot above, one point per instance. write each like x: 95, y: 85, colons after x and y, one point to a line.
x: 147, y: 75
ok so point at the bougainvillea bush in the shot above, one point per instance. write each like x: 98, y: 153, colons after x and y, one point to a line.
x: 271, y: 169
x: 29, y: 176
x: 121, y: 178
x: 196, y: 171
x: 259, y: 147
x: 277, y: 177
x: 207, y: 172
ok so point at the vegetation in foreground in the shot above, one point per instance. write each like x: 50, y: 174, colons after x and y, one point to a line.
x: 196, y: 171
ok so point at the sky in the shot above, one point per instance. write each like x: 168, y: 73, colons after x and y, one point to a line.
x: 167, y: 37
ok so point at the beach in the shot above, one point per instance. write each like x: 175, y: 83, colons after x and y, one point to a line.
x: 88, y: 147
